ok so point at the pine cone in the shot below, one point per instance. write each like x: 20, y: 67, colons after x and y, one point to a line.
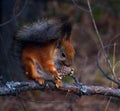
x: 61, y: 68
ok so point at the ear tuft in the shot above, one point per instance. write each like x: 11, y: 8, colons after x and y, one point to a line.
x: 66, y: 27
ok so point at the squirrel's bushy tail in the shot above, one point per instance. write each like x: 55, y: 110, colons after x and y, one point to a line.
x: 43, y: 31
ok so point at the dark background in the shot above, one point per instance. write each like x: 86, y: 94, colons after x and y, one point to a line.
x: 16, y: 13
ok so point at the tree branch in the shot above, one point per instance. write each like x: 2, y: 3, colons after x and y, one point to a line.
x: 13, y: 88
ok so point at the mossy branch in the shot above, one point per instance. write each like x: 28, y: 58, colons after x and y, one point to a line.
x: 14, y: 88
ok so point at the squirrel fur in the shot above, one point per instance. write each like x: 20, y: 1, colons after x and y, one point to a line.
x: 37, y: 44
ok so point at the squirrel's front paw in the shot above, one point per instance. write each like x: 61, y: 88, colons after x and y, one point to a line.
x: 58, y: 83
x: 40, y: 81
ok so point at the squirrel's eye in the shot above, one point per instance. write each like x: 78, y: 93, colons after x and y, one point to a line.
x: 63, y: 54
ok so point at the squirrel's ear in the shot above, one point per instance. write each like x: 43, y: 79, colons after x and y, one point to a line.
x: 66, y: 27
x: 66, y: 30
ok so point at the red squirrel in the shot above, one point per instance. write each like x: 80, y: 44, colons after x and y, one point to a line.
x: 41, y: 39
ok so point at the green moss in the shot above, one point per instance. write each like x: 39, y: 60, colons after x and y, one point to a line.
x: 98, y: 78
x: 65, y: 7
x: 98, y: 13
x: 115, y: 3
x: 20, y: 108
x: 67, y: 79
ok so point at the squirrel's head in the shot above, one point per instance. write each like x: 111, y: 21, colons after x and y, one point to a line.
x: 67, y: 52
x: 66, y: 45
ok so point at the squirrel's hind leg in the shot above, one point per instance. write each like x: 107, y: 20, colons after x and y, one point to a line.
x: 31, y: 71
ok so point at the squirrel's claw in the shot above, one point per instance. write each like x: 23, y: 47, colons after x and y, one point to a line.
x: 72, y: 71
x: 59, y: 77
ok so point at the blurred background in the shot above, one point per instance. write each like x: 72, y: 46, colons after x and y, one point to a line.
x: 17, y: 13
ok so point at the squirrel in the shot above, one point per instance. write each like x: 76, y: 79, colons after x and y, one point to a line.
x: 40, y: 41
